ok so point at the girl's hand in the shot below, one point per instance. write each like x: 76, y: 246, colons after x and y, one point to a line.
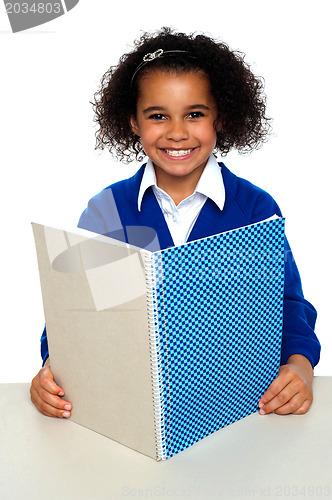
x: 291, y: 391
x: 45, y: 394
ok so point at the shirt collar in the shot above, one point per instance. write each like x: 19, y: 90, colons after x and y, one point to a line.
x: 148, y: 180
x: 210, y: 183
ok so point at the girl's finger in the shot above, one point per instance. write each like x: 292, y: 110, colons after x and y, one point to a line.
x: 292, y: 406
x: 278, y: 399
x: 48, y: 409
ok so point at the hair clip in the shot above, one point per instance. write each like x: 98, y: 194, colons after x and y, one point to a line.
x: 153, y: 55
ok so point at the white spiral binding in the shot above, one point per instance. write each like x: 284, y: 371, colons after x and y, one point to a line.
x: 156, y: 373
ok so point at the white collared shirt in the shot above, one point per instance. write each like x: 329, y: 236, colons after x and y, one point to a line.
x: 181, y: 218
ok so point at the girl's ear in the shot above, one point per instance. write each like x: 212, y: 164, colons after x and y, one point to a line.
x: 134, y: 125
x: 218, y: 125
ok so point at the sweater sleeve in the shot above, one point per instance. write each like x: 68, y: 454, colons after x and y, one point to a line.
x: 299, y: 317
x: 102, y: 216
x: 44, y: 346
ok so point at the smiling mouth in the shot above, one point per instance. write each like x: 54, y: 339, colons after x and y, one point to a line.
x: 178, y: 152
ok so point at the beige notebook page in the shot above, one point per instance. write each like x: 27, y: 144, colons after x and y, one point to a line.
x: 100, y: 357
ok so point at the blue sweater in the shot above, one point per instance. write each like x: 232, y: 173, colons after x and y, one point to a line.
x: 114, y: 212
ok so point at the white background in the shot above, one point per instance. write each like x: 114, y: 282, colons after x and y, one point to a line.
x: 49, y: 168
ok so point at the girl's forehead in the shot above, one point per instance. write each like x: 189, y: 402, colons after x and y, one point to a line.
x: 162, y: 81
x: 170, y: 73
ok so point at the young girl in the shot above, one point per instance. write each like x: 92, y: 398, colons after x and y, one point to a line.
x: 178, y: 98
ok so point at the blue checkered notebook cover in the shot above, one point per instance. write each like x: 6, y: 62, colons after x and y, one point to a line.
x: 215, y: 320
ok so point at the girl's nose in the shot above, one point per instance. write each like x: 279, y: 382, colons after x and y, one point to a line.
x: 177, y: 130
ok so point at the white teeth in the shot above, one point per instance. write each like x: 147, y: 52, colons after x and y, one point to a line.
x: 181, y: 152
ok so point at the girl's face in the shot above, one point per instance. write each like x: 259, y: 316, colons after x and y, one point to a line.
x: 176, y: 119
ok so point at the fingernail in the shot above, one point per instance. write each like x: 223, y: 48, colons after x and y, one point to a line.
x: 260, y: 405
x: 67, y: 407
x: 66, y: 414
x: 262, y: 412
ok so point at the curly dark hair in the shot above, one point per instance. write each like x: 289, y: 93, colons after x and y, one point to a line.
x: 238, y: 93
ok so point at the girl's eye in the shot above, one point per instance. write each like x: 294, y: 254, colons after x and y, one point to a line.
x: 157, y: 116
x: 195, y: 114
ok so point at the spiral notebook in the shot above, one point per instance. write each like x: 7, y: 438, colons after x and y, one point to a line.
x: 157, y: 350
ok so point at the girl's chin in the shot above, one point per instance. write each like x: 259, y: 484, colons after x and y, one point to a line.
x: 178, y: 170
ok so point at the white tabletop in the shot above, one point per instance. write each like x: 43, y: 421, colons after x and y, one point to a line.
x: 258, y: 457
